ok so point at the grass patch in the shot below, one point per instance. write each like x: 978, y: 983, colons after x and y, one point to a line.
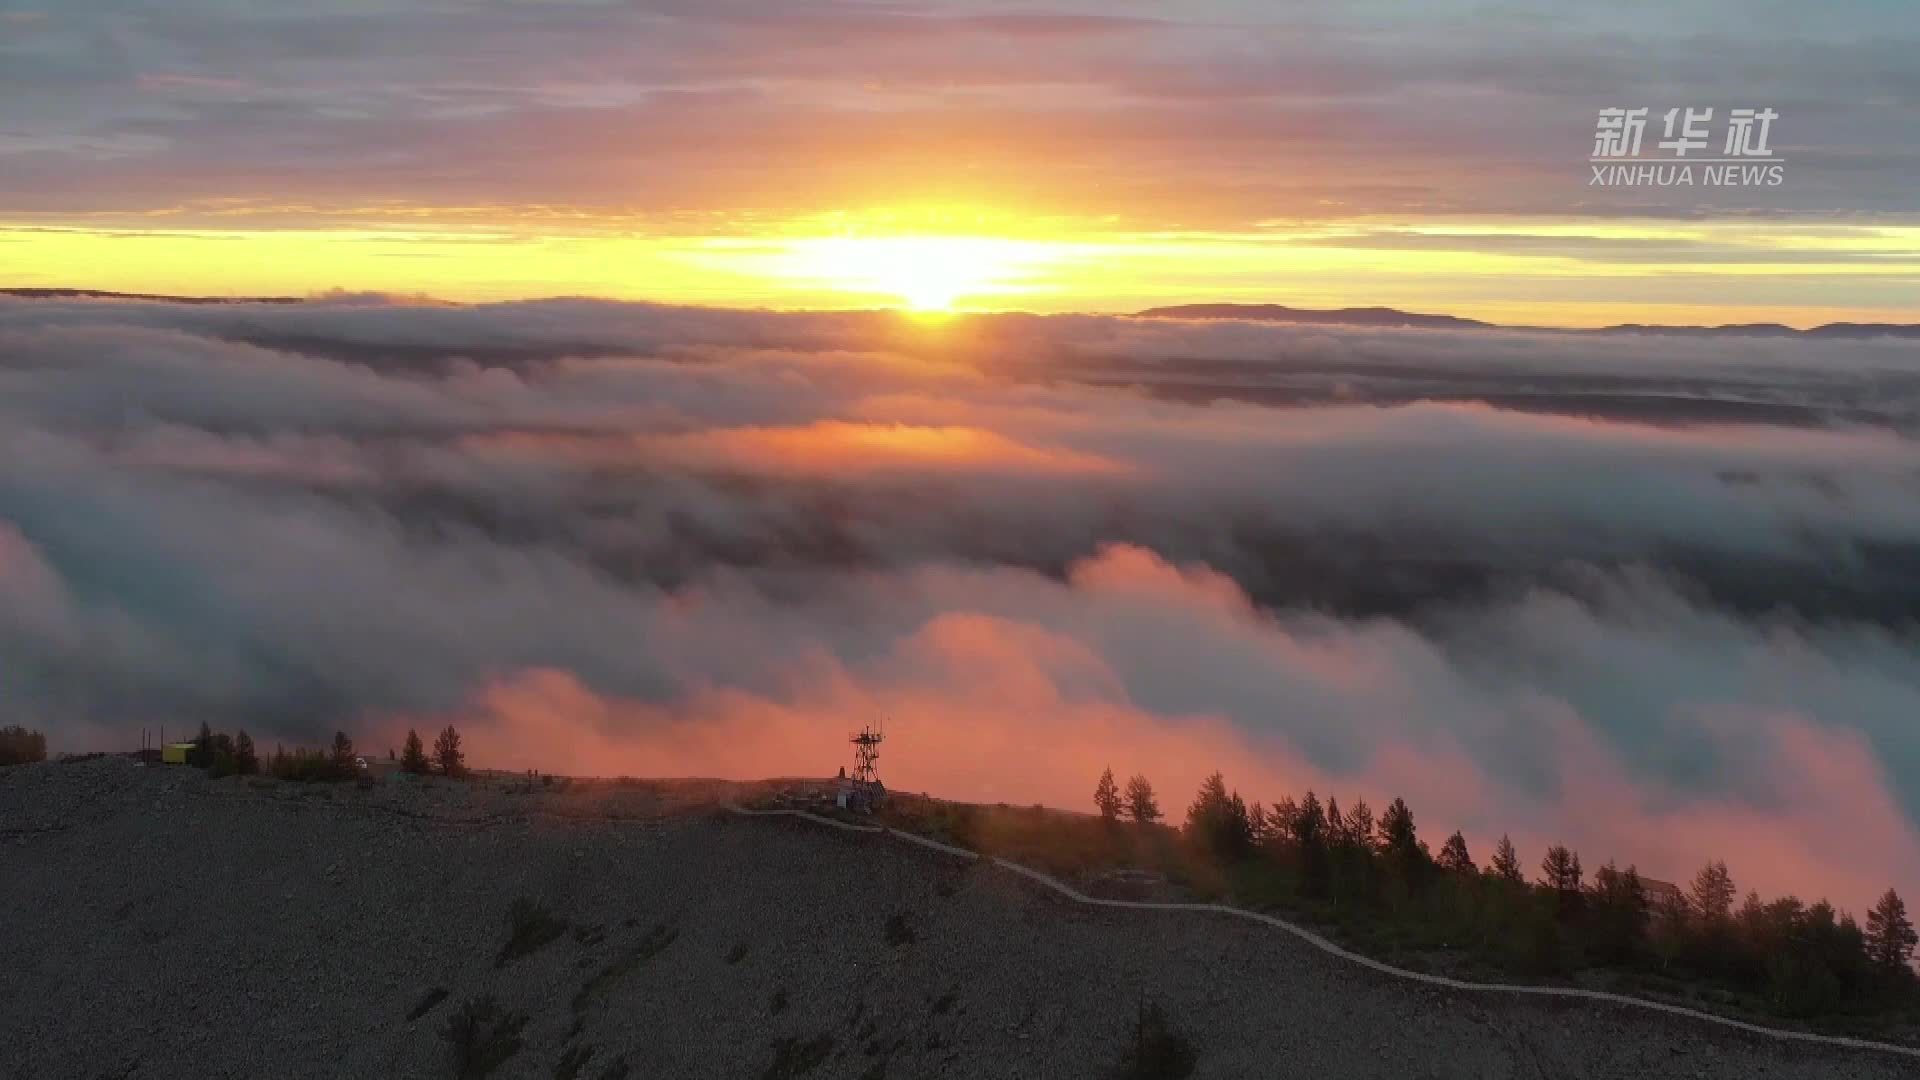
x: 427, y: 1001
x: 530, y: 928
x: 625, y: 964
x: 737, y: 953
x: 481, y: 1037
x: 798, y: 1057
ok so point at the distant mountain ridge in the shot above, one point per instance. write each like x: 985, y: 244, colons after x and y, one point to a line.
x: 1393, y: 317
x: 1355, y: 316
x: 103, y: 294
x: 1276, y: 313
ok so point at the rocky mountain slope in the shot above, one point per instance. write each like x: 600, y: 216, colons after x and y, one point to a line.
x: 158, y: 924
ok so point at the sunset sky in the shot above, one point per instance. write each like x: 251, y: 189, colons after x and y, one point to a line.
x: 979, y: 155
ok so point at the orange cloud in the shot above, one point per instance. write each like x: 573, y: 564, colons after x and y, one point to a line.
x: 997, y: 708
x: 824, y: 448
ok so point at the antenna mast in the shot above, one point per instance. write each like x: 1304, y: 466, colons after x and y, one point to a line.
x: 866, y: 751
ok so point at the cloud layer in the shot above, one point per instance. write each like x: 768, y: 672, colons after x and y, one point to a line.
x: 1220, y: 114
x: 1653, y: 596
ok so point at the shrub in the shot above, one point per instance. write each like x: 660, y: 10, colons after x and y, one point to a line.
x: 737, y: 953
x: 307, y: 767
x: 530, y: 927
x: 652, y: 945
x: 481, y: 1037
x: 572, y: 1061
x: 427, y: 1002
x: 1156, y: 1051
x: 898, y: 932
x: 19, y: 746
x: 797, y: 1057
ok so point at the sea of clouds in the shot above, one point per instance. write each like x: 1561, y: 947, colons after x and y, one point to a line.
x: 1652, y: 596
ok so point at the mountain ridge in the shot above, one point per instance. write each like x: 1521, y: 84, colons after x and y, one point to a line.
x: 1395, y: 318
x: 1374, y: 316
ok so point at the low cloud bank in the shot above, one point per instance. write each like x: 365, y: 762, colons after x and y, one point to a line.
x: 1445, y: 565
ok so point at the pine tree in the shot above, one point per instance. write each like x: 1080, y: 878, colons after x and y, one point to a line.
x: 1506, y: 861
x: 1280, y: 819
x: 1310, y: 823
x: 1360, y: 824
x: 447, y: 754
x: 1311, y: 841
x: 246, y: 761
x: 1454, y: 857
x: 1890, y: 934
x: 1107, y: 797
x: 1209, y: 803
x: 1619, y: 922
x: 1560, y: 870
x: 341, y: 759
x: 1397, y: 838
x: 1711, y: 897
x: 1336, y: 823
x: 1141, y: 804
x: 1257, y: 825
x: 413, y: 758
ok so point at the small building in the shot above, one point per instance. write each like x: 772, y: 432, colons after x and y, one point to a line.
x: 858, y: 797
x: 175, y: 753
x: 1662, y: 896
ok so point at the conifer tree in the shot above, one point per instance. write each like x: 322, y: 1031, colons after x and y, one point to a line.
x: 1890, y: 934
x: 246, y: 761
x: 446, y: 752
x: 1360, y: 824
x: 1506, y: 861
x: 1560, y: 870
x: 413, y: 756
x: 340, y: 760
x: 1106, y: 796
x: 1454, y: 857
x: 1712, y: 893
x: 1141, y: 803
x: 1397, y: 838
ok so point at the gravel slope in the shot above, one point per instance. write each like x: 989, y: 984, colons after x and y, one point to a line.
x: 160, y: 925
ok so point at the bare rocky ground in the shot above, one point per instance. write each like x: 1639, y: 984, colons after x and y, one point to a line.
x: 157, y: 924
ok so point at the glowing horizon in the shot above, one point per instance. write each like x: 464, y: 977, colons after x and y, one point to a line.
x: 1700, y: 273
x: 982, y: 155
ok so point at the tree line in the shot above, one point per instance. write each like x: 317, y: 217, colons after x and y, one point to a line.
x: 223, y: 755
x: 1379, y: 879
x: 21, y: 746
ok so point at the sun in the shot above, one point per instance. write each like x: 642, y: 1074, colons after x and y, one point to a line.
x: 922, y: 273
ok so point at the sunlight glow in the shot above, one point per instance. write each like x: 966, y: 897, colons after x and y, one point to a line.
x: 925, y: 273
x: 1580, y: 274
